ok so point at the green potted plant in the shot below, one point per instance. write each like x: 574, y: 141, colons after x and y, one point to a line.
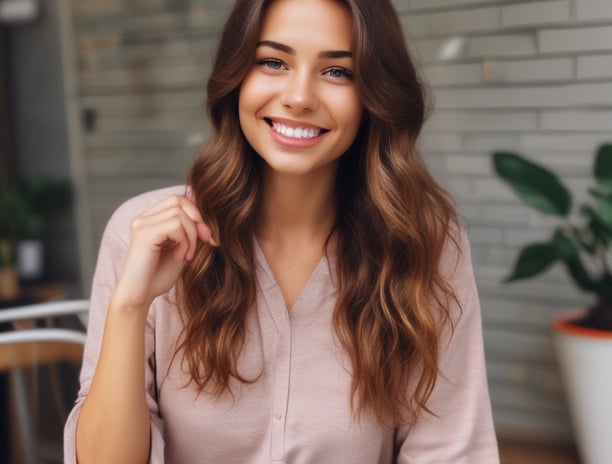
x: 582, y: 243
x: 25, y: 208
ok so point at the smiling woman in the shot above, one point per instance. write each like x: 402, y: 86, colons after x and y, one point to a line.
x: 308, y: 297
x: 299, y: 106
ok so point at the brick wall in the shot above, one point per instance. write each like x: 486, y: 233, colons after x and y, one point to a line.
x: 532, y: 76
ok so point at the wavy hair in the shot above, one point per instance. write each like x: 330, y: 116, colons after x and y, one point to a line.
x: 393, y: 221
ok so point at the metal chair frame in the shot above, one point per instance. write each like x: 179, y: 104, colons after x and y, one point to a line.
x: 20, y: 348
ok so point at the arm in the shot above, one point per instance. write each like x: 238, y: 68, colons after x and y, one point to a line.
x: 112, y: 420
x: 463, y: 432
x: 115, y: 411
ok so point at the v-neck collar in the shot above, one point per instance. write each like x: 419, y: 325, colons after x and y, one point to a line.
x: 268, y: 281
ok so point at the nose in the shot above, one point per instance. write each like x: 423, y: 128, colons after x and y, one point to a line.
x: 299, y: 93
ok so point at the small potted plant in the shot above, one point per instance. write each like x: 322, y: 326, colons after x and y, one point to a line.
x: 28, y: 205
x: 582, y: 243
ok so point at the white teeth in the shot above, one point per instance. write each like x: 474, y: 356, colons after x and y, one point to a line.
x: 295, y: 132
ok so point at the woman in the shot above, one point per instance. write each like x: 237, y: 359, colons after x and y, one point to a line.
x: 309, y: 298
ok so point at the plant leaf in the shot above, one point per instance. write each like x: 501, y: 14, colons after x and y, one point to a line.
x: 567, y: 251
x: 565, y: 246
x: 605, y: 210
x: 598, y: 225
x: 586, y: 238
x: 603, y: 167
x: 534, y: 184
x: 595, y: 193
x: 533, y: 260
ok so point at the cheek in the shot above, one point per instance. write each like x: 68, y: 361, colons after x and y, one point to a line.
x: 349, y: 110
x: 242, y: 116
x: 249, y: 95
x: 247, y: 106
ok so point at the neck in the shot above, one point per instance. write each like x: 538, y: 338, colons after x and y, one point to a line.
x: 296, y: 208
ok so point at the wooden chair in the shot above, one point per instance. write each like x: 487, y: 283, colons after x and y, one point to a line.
x: 31, y: 340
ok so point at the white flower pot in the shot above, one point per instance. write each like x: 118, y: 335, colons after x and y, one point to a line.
x: 585, y: 360
x: 30, y: 259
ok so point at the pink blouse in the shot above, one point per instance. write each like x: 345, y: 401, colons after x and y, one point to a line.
x: 298, y: 410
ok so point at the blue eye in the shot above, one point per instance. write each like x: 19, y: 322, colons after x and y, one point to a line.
x: 339, y: 73
x: 271, y: 63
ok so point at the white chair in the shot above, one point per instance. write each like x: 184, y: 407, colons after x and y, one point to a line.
x: 25, y: 345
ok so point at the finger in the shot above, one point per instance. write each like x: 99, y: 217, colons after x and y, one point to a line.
x: 190, y: 209
x: 206, y: 235
x: 161, y: 215
x: 204, y: 231
x: 184, y: 234
x: 168, y: 225
x: 178, y: 251
x: 173, y: 200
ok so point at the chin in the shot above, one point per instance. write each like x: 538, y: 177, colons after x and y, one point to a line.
x: 289, y: 167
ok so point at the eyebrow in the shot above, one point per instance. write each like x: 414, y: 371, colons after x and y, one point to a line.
x: 287, y: 49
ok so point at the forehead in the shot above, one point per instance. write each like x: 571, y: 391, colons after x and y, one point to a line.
x: 323, y: 22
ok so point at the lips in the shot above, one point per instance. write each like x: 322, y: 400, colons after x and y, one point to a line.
x: 294, y: 130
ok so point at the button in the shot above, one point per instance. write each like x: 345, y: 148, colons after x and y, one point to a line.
x: 278, y: 416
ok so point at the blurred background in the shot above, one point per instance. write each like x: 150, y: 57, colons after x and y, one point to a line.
x: 107, y: 96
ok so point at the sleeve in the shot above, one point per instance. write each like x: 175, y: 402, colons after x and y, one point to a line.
x: 461, y: 432
x: 111, y: 259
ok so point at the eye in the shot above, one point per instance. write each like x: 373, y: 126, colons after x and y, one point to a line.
x: 339, y: 73
x: 271, y: 63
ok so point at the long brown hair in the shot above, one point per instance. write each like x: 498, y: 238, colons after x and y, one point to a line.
x: 393, y: 221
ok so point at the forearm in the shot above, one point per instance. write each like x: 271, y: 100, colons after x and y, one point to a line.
x: 114, y: 423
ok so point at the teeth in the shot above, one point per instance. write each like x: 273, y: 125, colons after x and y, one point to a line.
x: 295, y: 132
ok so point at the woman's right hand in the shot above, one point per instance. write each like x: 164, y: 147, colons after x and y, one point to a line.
x: 163, y: 239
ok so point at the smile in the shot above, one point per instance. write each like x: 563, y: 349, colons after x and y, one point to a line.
x: 297, y: 132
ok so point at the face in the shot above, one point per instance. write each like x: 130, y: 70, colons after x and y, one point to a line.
x: 299, y: 107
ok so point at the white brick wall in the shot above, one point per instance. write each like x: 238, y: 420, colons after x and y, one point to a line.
x: 483, y: 121
x: 563, y: 142
x: 594, y: 66
x: 543, y: 70
x: 575, y: 39
x: 501, y: 45
x: 441, y: 141
x: 586, y: 120
x: 453, y: 74
x: 403, y: 5
x: 593, y: 9
x: 535, y: 77
x: 454, y: 22
x: 537, y: 13
x: 486, y: 142
x: 501, y: 97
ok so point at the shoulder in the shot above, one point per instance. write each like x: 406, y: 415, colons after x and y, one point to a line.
x: 456, y: 261
x: 121, y: 220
